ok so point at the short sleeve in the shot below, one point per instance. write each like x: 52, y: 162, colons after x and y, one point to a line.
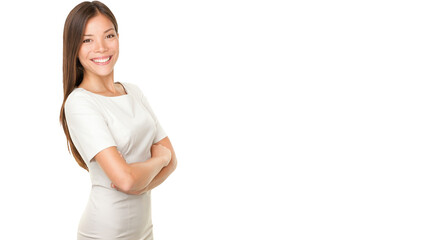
x: 160, y: 132
x: 87, y: 127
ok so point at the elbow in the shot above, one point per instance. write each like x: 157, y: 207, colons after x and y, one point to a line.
x: 174, y: 163
x: 127, y: 184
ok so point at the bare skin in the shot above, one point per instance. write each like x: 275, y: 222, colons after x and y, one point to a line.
x: 164, y: 173
x: 118, y: 90
x: 100, y: 40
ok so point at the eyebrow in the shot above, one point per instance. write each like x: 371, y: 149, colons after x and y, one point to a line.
x: 104, y: 32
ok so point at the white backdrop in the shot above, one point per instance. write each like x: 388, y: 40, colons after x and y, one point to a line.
x: 290, y: 119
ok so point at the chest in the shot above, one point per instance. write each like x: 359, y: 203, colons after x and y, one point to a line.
x: 130, y: 124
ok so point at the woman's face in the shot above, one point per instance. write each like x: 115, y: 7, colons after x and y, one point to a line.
x: 99, y: 49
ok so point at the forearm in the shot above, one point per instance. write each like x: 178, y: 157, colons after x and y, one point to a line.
x: 144, y: 172
x: 161, y: 176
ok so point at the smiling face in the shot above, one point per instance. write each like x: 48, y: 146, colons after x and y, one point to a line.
x: 99, y: 49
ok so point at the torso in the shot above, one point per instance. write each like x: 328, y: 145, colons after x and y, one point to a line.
x: 111, y: 214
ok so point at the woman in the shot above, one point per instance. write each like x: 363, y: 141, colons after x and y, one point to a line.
x: 111, y: 129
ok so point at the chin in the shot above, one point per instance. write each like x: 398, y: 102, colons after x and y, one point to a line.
x: 101, y: 73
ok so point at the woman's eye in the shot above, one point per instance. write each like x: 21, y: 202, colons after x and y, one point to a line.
x: 110, y: 35
x: 86, y: 40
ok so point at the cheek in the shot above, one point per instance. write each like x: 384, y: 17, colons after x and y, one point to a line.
x: 115, y: 45
x: 83, y: 53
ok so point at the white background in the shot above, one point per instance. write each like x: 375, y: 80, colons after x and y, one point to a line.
x: 290, y: 119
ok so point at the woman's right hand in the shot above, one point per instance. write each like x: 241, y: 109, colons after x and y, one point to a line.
x: 158, y: 150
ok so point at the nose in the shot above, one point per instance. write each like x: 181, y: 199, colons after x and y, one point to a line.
x: 100, y: 46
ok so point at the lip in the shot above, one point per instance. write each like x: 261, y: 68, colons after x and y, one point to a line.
x: 102, y: 63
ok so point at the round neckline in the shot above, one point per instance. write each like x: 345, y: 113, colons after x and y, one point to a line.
x: 124, y: 88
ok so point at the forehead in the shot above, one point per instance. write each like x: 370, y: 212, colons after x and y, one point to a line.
x: 97, y: 24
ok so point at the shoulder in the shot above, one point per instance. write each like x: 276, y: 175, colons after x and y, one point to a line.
x: 133, y: 88
x: 79, y: 100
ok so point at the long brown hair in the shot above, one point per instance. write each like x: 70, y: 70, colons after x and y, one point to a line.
x: 73, y: 71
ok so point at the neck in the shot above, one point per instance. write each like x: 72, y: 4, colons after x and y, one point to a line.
x: 98, y: 83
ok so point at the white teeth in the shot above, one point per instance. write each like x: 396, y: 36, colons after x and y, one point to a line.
x: 101, y: 60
